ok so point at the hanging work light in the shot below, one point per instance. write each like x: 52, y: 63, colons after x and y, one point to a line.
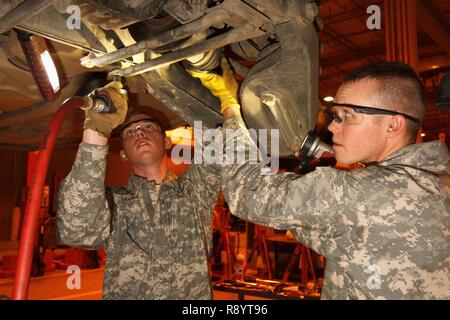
x: 41, y: 64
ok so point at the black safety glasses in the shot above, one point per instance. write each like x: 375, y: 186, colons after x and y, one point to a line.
x: 333, y: 112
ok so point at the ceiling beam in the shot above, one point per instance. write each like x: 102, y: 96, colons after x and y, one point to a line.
x: 432, y: 22
x: 362, y: 22
x: 336, y: 38
x: 375, y: 49
x: 342, y: 16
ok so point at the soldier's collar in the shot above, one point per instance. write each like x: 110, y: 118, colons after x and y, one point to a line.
x: 170, y: 176
x: 171, y: 180
x: 432, y: 154
x: 136, y: 181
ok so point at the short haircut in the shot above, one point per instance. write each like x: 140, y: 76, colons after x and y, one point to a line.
x: 400, y: 89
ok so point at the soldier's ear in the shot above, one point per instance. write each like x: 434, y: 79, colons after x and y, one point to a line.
x: 123, y: 155
x: 397, y: 126
x: 167, y: 143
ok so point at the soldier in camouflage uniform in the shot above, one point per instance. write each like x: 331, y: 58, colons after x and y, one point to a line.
x: 385, y: 228
x: 157, y: 229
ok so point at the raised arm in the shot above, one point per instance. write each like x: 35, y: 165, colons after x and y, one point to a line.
x: 310, y: 206
x: 83, y: 216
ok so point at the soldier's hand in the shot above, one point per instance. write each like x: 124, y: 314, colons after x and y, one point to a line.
x: 224, y: 87
x: 104, y: 123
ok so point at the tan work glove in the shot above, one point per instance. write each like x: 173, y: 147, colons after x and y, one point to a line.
x: 104, y: 123
x: 224, y: 87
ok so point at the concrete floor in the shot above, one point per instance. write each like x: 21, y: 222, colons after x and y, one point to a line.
x: 53, y: 285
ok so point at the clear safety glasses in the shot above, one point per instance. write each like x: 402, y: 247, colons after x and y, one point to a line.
x: 348, y: 114
x: 146, y: 126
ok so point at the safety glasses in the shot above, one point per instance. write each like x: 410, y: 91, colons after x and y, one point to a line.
x: 147, y: 126
x: 348, y: 114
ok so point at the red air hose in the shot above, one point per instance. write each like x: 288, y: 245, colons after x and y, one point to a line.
x: 29, y: 228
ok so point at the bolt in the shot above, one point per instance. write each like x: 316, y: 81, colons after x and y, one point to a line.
x: 268, y: 99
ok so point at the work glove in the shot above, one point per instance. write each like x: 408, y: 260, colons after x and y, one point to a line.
x: 104, y: 123
x: 223, y: 86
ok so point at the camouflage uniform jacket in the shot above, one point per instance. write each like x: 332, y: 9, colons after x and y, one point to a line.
x: 157, y: 243
x: 384, y: 229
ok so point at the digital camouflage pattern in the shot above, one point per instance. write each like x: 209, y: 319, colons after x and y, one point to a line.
x: 157, y: 240
x: 384, y: 229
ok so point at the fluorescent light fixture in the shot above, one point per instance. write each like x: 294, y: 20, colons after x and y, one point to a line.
x: 41, y: 64
x: 328, y: 99
x: 50, y: 68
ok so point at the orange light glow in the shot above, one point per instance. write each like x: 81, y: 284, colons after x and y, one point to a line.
x: 181, y: 135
